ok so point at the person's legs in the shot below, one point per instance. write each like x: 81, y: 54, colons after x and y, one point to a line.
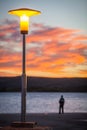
x: 62, y: 109
x: 59, y: 109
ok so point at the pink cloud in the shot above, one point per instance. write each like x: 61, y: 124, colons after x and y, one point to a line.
x: 50, y: 49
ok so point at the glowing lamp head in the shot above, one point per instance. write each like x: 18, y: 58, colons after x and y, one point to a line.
x: 24, y: 14
x: 24, y: 24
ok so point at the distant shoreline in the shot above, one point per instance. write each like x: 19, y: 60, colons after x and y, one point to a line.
x: 39, y: 84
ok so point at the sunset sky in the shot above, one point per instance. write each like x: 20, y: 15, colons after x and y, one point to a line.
x: 56, y: 45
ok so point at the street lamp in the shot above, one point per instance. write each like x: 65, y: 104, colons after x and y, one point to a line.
x: 24, y: 14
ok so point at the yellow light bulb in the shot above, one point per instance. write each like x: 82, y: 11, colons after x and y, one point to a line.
x: 24, y: 24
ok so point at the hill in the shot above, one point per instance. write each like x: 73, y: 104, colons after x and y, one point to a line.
x: 38, y: 84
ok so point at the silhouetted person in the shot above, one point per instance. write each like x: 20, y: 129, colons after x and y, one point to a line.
x: 61, y: 104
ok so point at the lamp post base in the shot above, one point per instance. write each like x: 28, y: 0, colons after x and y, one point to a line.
x: 24, y: 124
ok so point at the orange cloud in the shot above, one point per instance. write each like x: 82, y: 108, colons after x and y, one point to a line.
x: 51, y: 52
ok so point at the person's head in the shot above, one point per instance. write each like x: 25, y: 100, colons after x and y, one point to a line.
x: 61, y: 96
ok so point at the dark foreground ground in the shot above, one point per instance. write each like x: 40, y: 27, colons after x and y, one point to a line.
x: 67, y: 121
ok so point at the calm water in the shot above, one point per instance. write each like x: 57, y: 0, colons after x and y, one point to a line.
x: 43, y: 102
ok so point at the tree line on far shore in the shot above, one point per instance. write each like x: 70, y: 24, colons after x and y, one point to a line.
x: 39, y: 84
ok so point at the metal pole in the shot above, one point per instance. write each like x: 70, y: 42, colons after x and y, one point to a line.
x: 24, y: 83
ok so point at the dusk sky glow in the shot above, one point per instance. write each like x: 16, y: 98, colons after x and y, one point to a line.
x: 56, y: 45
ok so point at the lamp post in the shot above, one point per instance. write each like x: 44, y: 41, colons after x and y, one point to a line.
x: 24, y: 14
